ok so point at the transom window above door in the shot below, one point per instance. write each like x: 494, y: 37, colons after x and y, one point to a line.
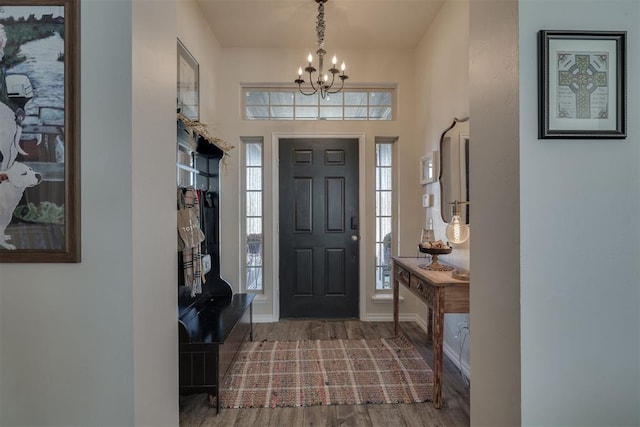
x: 289, y: 104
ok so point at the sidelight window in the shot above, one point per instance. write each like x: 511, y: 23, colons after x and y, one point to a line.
x: 253, y: 214
x: 384, y: 213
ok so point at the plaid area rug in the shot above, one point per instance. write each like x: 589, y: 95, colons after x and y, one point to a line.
x: 332, y: 372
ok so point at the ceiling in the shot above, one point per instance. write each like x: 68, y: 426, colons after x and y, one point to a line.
x: 360, y: 24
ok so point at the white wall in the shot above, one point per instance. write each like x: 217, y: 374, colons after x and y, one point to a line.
x: 580, y: 233
x: 195, y: 34
x: 279, y: 66
x: 442, y: 81
x: 153, y: 153
x: 95, y: 343
x: 495, y: 247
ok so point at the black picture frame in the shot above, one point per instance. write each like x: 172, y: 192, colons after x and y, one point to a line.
x: 41, y: 57
x: 582, y: 84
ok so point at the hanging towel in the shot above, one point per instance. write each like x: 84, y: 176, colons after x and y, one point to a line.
x: 189, y: 219
x: 190, y: 233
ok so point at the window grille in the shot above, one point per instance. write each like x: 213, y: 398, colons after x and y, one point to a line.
x: 384, y: 213
x: 289, y: 104
x: 253, y: 214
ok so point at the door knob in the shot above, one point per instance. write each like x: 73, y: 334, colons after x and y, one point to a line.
x: 355, y: 238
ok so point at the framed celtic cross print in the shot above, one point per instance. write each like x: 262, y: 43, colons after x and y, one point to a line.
x: 582, y: 84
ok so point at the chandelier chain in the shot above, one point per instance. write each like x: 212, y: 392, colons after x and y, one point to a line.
x: 320, y: 26
x: 324, y: 82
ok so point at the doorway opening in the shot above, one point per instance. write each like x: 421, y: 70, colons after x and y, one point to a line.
x: 318, y: 197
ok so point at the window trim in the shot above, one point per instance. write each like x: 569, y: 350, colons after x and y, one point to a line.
x: 394, y: 209
x: 243, y: 210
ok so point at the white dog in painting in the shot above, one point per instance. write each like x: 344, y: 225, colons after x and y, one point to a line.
x: 10, y: 132
x: 10, y: 125
x: 19, y: 177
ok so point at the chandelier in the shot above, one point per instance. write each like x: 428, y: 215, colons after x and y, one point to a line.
x: 322, y: 82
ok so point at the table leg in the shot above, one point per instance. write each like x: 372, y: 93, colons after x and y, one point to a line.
x: 438, y: 332
x: 396, y: 292
x: 251, y: 322
x: 430, y: 325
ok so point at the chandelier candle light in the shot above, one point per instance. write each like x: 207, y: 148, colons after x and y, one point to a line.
x: 322, y: 83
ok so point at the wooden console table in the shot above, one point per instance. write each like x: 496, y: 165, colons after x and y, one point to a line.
x: 442, y: 294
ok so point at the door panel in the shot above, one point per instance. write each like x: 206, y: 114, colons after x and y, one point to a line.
x: 335, y: 262
x: 303, y: 205
x: 334, y: 205
x: 318, y: 218
x: 303, y: 268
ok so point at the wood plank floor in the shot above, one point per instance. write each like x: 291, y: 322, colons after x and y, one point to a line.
x: 196, y: 411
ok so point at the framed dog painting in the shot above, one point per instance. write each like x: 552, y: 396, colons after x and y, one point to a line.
x: 39, y: 131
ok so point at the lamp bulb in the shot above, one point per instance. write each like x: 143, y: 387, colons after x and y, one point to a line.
x: 310, y: 58
x: 343, y: 67
x: 457, y: 232
x: 334, y: 60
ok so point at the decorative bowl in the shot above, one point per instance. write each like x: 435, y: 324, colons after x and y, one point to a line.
x: 435, y: 252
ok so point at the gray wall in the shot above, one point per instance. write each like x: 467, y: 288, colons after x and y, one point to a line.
x: 67, y: 342
x: 540, y: 278
x: 580, y: 243
x: 95, y: 344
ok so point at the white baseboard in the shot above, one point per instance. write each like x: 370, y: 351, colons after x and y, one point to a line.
x: 451, y: 353
x: 263, y: 318
x: 453, y: 356
x: 448, y: 351
x: 421, y: 322
x: 387, y: 318
x: 267, y: 318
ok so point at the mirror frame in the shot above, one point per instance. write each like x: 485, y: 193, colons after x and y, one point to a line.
x: 455, y: 122
x: 429, y: 168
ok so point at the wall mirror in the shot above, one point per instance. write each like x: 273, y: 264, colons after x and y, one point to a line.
x: 429, y: 168
x: 454, y: 169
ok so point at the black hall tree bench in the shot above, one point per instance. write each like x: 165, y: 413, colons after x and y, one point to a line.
x: 213, y: 324
x: 209, y: 341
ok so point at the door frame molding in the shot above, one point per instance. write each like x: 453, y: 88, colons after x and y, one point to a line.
x: 275, y: 198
